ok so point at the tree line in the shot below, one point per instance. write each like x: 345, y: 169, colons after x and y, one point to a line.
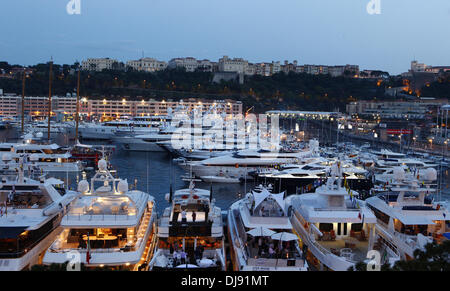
x: 292, y: 91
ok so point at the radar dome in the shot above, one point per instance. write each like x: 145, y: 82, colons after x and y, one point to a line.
x: 39, y: 134
x: 122, y: 187
x: 83, y: 186
x: 399, y: 174
x: 430, y: 174
x: 102, y: 165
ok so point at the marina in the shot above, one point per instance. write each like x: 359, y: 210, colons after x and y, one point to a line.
x: 302, y: 207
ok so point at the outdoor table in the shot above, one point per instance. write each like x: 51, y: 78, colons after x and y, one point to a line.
x: 350, y: 242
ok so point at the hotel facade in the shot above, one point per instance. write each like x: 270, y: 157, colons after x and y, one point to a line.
x: 38, y: 106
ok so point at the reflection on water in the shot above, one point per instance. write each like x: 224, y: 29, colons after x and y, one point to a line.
x: 153, y: 172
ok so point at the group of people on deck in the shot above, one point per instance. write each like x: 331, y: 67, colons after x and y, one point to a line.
x: 180, y: 256
x: 268, y: 248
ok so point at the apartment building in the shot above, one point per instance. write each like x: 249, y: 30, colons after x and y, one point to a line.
x: 99, y: 64
x: 189, y: 63
x: 420, y: 109
x: 38, y: 106
x: 237, y: 65
x: 147, y: 65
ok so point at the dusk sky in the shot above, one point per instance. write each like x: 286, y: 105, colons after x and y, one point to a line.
x: 327, y: 32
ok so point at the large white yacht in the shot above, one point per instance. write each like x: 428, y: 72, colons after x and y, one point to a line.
x: 31, y: 212
x: 200, y: 236
x: 242, y: 164
x: 261, y: 235
x: 48, y: 157
x: 143, y: 142
x: 407, y: 219
x: 109, y: 225
x: 391, y: 175
x: 135, y: 126
x: 297, y: 178
x: 335, y: 230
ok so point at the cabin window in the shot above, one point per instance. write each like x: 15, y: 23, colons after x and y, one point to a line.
x: 339, y: 228
x: 345, y: 228
x: 356, y: 226
x: 325, y: 226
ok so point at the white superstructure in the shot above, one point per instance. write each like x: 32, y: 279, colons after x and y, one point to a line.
x: 336, y: 231
x: 192, y: 225
x: 261, y: 235
x: 31, y: 212
x: 48, y: 157
x: 109, y: 225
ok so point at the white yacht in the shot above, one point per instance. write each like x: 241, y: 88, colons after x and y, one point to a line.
x: 261, y: 235
x: 242, y: 164
x: 48, y: 157
x: 143, y: 142
x: 392, y: 174
x: 407, y: 219
x: 111, y: 129
x: 200, y: 236
x: 336, y: 231
x: 109, y: 225
x: 55, y: 127
x: 31, y: 212
x: 297, y: 178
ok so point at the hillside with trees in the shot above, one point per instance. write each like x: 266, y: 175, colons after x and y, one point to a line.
x: 282, y: 91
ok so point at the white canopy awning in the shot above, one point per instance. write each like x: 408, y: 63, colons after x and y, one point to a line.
x: 54, y: 181
x: 261, y: 231
x: 260, y: 197
x: 284, y: 236
x: 415, y: 220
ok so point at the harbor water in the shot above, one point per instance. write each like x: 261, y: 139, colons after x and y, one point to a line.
x: 154, y: 172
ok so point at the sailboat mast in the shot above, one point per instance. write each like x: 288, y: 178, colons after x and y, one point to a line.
x: 77, y: 115
x: 50, y: 98
x: 23, y: 99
